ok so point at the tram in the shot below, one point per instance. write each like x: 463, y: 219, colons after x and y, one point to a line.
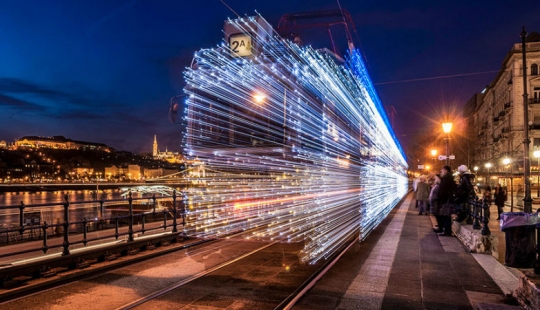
x: 294, y: 142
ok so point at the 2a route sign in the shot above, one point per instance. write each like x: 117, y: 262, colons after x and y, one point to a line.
x: 240, y: 45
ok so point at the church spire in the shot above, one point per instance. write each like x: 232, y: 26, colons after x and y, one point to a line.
x: 155, y: 147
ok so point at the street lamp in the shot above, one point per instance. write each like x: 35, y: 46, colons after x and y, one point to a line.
x: 447, y: 128
x: 537, y: 155
x: 506, y: 162
x: 259, y: 97
x: 488, y: 165
x: 433, y: 154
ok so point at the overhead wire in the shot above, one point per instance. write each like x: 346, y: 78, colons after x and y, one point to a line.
x: 436, y: 77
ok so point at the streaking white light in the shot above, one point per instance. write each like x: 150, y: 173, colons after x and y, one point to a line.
x: 314, y: 161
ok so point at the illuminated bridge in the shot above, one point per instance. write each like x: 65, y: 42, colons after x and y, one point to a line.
x: 289, y: 141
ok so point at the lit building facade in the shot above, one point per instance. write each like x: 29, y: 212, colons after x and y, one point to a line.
x: 132, y: 172
x: 495, y: 117
x: 171, y: 157
x: 58, y: 142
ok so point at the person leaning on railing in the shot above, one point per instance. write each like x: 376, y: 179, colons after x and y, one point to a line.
x: 463, y: 192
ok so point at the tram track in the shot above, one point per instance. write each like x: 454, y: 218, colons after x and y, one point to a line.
x: 197, y: 276
x: 265, y: 274
x: 287, y: 303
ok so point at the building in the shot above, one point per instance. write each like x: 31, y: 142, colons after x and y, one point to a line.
x: 151, y: 173
x: 58, y: 142
x: 495, y: 117
x: 131, y: 172
x: 171, y: 157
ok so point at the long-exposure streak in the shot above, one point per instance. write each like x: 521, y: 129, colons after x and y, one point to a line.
x: 288, y: 142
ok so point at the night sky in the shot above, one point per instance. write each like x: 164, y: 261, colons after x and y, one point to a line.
x: 105, y: 71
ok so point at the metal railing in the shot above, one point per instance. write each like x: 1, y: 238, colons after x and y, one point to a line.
x: 477, y: 211
x: 129, y: 223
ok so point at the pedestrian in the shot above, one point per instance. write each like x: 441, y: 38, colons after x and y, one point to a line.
x: 487, y: 194
x: 446, y: 195
x: 422, y: 195
x: 464, y: 191
x: 433, y: 200
x: 500, y: 198
x: 415, y: 187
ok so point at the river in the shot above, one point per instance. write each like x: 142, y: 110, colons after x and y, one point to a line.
x: 31, y: 198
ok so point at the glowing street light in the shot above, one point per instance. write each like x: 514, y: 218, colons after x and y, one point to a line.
x: 259, y: 97
x: 447, y: 128
x: 433, y: 154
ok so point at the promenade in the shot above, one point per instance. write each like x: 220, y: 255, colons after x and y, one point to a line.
x: 404, y: 264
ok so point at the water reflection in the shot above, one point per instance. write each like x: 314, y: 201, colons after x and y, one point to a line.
x: 14, y: 198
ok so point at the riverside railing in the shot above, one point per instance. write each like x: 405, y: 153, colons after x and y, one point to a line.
x: 125, y: 220
x: 478, y: 212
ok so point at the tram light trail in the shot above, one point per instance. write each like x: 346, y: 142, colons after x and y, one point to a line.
x: 311, y: 159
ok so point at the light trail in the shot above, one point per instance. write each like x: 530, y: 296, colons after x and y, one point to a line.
x: 313, y: 159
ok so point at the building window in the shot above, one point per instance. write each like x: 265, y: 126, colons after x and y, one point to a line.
x: 534, y: 69
x: 536, y: 144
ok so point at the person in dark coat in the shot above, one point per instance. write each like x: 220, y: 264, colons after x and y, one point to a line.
x: 464, y: 192
x: 500, y: 198
x: 446, y: 194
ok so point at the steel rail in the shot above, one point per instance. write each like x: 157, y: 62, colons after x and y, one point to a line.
x: 292, y: 299
x: 164, y: 291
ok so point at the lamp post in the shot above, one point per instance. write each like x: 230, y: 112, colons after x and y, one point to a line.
x: 537, y: 155
x: 433, y: 154
x: 527, y: 201
x: 259, y: 99
x: 488, y: 165
x: 506, y: 162
x: 447, y: 128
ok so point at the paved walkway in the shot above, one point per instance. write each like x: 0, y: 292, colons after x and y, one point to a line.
x: 403, y: 264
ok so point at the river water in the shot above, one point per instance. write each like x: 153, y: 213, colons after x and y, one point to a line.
x: 31, y: 198
x: 35, y: 213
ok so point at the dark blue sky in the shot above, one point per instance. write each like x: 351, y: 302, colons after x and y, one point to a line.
x: 104, y: 71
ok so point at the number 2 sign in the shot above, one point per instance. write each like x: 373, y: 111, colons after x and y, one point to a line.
x: 240, y: 45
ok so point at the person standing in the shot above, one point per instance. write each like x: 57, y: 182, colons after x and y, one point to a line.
x: 487, y: 195
x: 433, y: 200
x: 500, y: 198
x: 464, y: 192
x: 446, y: 195
x: 422, y: 195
